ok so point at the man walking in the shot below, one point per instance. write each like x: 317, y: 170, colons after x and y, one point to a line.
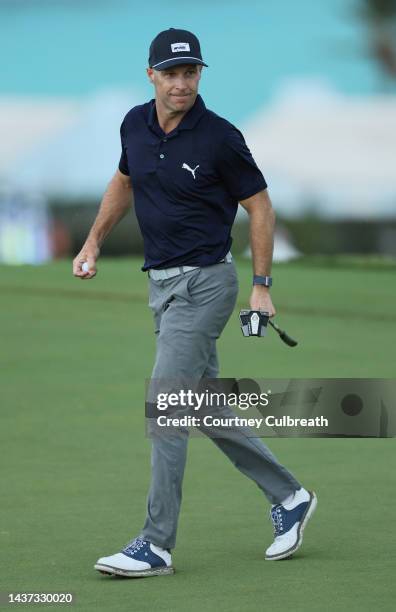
x: 186, y: 169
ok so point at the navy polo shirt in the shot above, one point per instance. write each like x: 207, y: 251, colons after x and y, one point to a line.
x: 186, y: 184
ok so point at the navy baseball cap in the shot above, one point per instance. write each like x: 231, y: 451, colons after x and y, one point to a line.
x: 174, y: 47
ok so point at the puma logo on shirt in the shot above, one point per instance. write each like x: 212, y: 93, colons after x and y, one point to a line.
x: 187, y: 167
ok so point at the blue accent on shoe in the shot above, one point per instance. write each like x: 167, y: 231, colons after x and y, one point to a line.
x: 140, y: 550
x: 283, y: 520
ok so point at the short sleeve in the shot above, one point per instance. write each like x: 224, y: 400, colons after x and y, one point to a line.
x: 123, y: 164
x: 237, y: 168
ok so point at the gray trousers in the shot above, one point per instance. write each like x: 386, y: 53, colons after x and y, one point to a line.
x: 190, y: 312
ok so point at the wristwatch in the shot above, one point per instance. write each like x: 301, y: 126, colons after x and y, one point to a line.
x: 262, y: 280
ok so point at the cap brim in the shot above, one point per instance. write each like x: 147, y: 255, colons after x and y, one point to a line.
x: 178, y: 61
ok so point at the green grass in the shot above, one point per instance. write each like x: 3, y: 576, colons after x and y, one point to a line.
x: 76, y: 463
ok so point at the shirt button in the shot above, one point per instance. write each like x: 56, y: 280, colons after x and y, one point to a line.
x: 164, y: 140
x: 162, y: 156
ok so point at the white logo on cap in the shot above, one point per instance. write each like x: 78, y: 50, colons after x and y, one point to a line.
x: 180, y: 47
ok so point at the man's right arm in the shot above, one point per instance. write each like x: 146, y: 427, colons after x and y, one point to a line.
x: 115, y: 204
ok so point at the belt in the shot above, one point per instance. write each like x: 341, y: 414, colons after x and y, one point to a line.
x: 175, y: 271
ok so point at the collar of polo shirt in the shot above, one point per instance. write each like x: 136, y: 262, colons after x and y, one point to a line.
x: 189, y: 120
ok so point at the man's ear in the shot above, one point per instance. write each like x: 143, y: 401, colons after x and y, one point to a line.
x: 150, y: 74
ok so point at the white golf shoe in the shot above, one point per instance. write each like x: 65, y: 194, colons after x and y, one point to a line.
x: 139, y: 558
x: 289, y: 522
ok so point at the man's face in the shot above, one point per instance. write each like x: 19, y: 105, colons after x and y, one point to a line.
x: 176, y: 88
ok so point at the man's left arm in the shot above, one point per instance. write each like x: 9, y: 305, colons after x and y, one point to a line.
x: 262, y: 223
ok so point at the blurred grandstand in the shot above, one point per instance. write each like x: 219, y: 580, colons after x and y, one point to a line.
x: 324, y: 138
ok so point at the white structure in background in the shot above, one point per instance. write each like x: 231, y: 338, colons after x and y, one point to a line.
x: 284, y: 250
x: 333, y: 153
x: 26, y: 124
x: 78, y: 159
x: 317, y: 149
x: 24, y: 229
x: 60, y: 148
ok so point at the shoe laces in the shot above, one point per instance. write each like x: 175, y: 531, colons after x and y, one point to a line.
x: 276, y: 515
x: 134, y: 545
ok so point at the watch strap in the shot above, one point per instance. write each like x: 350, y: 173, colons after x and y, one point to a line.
x: 262, y: 280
